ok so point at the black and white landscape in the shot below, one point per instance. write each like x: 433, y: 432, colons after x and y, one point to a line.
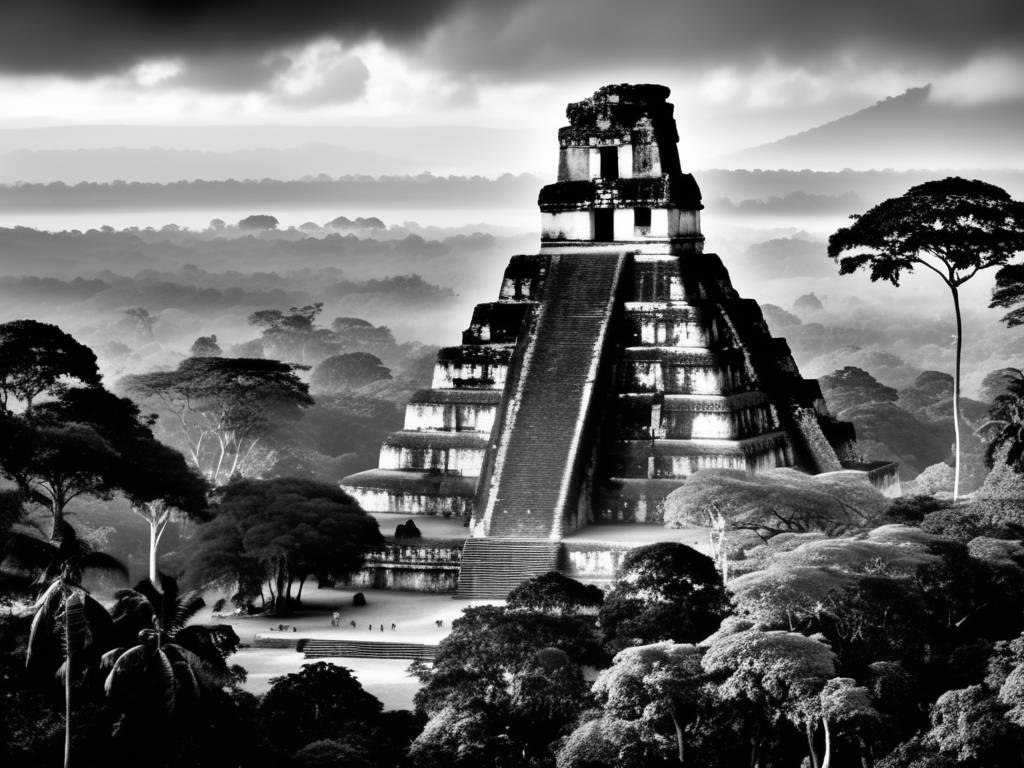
x: 295, y: 377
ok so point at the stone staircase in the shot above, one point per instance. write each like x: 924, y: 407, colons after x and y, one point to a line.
x: 365, y: 649
x: 491, y: 568
x: 541, y: 459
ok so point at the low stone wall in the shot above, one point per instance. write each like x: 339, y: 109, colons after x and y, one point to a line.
x: 884, y: 475
x: 592, y: 562
x: 422, y: 567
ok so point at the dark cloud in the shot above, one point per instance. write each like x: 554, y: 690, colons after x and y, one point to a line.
x: 506, y: 39
x: 91, y: 37
x: 581, y: 35
x: 231, y: 72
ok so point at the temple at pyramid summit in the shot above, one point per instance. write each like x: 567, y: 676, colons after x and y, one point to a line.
x: 614, y: 363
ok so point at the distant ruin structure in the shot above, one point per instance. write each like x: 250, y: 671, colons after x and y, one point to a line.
x: 615, y: 363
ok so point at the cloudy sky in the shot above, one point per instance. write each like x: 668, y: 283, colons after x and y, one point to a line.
x: 741, y: 71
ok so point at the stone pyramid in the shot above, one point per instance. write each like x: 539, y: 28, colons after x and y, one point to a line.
x: 615, y: 363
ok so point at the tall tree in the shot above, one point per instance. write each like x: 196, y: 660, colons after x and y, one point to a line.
x: 37, y: 358
x: 160, y: 484
x: 652, y: 683
x: 953, y: 227
x: 283, y: 530
x: 222, y: 411
x: 69, y: 628
x: 777, y: 676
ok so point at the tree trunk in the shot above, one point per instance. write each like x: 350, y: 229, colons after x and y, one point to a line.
x: 865, y: 754
x: 811, y: 751
x: 154, y: 539
x: 679, y: 739
x: 67, y: 681
x: 828, y: 744
x: 298, y: 595
x: 956, y: 392
x: 57, y: 512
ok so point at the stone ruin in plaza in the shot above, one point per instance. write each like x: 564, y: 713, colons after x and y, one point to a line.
x: 614, y: 363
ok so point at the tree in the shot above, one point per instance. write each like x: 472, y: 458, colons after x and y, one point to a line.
x: 664, y: 591
x: 222, y: 410
x: 206, y: 346
x: 777, y: 676
x: 998, y: 383
x: 771, y: 503
x: 37, y: 358
x: 277, y: 531
x: 70, y: 447
x: 554, y: 593
x: 321, y: 701
x: 846, y: 707
x: 258, y: 222
x: 651, y: 683
x: 340, y: 373
x: 68, y: 624
x: 953, y: 227
x: 1005, y: 425
x: 169, y: 611
x: 160, y: 484
x: 490, y: 645
x: 294, y: 335
x: 968, y: 725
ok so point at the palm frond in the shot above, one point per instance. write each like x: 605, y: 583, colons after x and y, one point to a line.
x: 188, y: 606
x: 207, y: 674
x: 109, y: 659
x: 141, y: 669
x: 42, y: 645
x: 213, y: 643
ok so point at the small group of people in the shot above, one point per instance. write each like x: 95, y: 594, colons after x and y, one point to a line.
x: 336, y: 622
x: 439, y: 623
x: 283, y: 628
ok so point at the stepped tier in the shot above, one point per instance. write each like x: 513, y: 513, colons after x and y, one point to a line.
x: 477, y: 366
x: 451, y: 453
x: 539, y: 461
x: 410, y: 492
x: 682, y: 417
x: 491, y: 568
x: 462, y: 410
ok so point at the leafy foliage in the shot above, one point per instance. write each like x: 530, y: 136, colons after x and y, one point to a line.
x: 38, y: 358
x: 554, y: 593
x: 663, y: 591
x: 220, y: 411
x: 275, y: 531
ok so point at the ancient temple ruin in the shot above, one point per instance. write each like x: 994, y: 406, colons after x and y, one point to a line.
x: 614, y: 363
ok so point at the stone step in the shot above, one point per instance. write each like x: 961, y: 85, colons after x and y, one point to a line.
x: 365, y: 649
x: 491, y: 568
x: 539, y: 457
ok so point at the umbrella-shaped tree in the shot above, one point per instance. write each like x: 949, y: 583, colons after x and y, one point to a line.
x: 953, y: 227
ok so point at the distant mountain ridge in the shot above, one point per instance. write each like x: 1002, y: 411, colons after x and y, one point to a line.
x: 911, y: 131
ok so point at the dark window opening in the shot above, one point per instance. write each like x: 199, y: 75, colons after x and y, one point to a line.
x: 641, y: 222
x: 609, y: 162
x: 604, y: 227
